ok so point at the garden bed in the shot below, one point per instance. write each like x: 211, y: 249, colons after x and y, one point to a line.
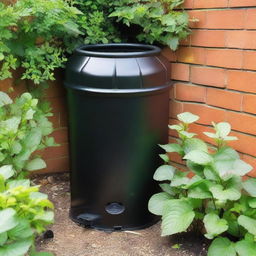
x: 71, y: 239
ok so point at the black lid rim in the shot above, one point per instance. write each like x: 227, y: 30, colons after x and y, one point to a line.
x: 146, y: 50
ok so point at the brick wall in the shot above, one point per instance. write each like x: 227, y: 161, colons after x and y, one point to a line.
x: 56, y: 157
x: 215, y: 70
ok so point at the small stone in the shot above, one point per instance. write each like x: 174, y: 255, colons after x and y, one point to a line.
x: 51, y: 179
x: 94, y: 245
x: 44, y: 182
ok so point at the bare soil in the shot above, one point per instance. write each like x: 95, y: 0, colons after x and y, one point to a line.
x: 73, y: 240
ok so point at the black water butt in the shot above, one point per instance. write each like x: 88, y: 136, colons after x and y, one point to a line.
x: 118, y: 101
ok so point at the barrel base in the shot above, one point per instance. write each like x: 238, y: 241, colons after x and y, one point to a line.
x: 91, y: 225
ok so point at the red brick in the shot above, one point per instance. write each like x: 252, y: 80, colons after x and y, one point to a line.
x: 241, y: 3
x: 241, y: 39
x: 56, y: 165
x: 245, y: 143
x: 249, y: 60
x: 63, y: 119
x: 60, y: 135
x: 206, y: 113
x: 175, y: 108
x: 190, y: 92
x: 208, y: 76
x: 210, y: 3
x: 224, y: 99
x: 188, y: 4
x: 208, y: 38
x: 180, y: 71
x: 250, y: 21
x: 199, y: 17
x: 227, y: 58
x: 249, y: 103
x: 193, y: 55
x: 54, y: 152
x: 58, y: 104
x: 242, y: 81
x: 226, y: 19
x: 55, y: 120
x: 252, y: 161
x: 242, y: 122
x: 169, y: 54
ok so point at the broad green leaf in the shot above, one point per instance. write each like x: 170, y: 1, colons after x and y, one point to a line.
x: 29, y: 114
x: 177, y: 217
x: 250, y: 186
x: 246, y: 248
x: 187, y: 117
x: 195, y: 168
x: 194, y: 144
x: 4, y: 99
x: 172, y: 147
x: 157, y: 201
x: 168, y: 189
x: 223, y: 129
x: 6, y: 171
x: 210, y: 174
x: 214, y: 225
x: 16, y: 148
x: 248, y: 223
x: 201, y: 191
x: 42, y: 254
x: 47, y: 216
x: 230, y: 193
x: 18, y: 183
x: 38, y: 195
x: 230, y: 138
x: 226, y: 153
x: 180, y: 179
x: 233, y: 227
x: 175, y: 127
x: 222, y: 247
x: 199, y: 157
x: 188, y: 135
x: 252, y: 202
x: 211, y: 135
x: 164, y: 172
x: 10, y: 125
x: 8, y: 219
x: 164, y: 157
x: 21, y: 231
x: 172, y: 42
x: 35, y: 164
x: 3, y: 238
x: 19, y: 248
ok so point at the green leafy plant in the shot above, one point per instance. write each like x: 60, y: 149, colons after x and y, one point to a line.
x: 24, y: 214
x: 216, y: 198
x: 37, y: 36
x: 24, y: 128
x: 158, y: 21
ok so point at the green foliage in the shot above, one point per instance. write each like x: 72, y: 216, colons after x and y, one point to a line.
x: 24, y: 211
x: 216, y: 196
x: 38, y: 35
x: 24, y: 128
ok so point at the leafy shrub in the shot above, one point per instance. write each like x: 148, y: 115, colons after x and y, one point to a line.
x: 216, y: 198
x: 24, y: 128
x: 24, y: 213
x: 38, y: 35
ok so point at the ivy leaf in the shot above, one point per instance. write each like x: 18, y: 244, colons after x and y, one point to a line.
x: 6, y: 171
x: 8, y: 219
x: 222, y: 246
x: 187, y: 117
x: 214, y: 225
x: 172, y: 42
x: 157, y: 201
x: 199, y: 157
x: 246, y: 248
x: 250, y: 186
x: 35, y: 164
x: 177, y: 217
x: 248, y: 223
x: 5, y: 99
x: 172, y: 147
x: 18, y: 248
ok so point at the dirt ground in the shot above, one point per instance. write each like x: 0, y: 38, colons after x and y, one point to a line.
x: 73, y: 240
